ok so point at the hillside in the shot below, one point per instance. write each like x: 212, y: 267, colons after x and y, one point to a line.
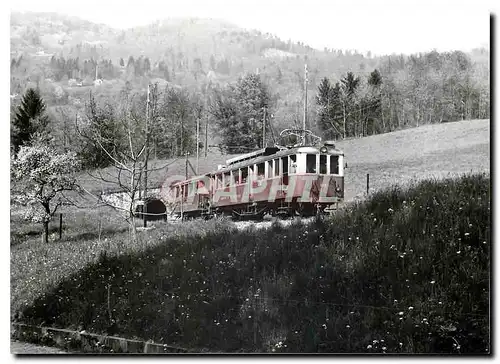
x: 428, y: 151
x: 57, y: 52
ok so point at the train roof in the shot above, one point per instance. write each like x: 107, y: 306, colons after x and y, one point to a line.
x: 259, y: 156
x: 269, y: 153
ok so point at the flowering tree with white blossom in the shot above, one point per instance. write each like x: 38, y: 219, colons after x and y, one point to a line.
x: 41, y: 177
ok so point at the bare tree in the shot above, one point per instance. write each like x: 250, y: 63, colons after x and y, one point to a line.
x: 127, y: 156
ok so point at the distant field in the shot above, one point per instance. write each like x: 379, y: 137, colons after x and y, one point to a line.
x: 429, y: 151
x: 398, y: 157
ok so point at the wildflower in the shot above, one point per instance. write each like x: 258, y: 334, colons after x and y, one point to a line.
x: 390, y: 210
x: 466, y: 234
x: 458, y: 252
x: 375, y: 341
x: 369, y: 347
x: 440, y: 302
x: 432, y: 282
x: 410, y: 308
x: 395, y: 301
x: 384, y: 348
x: 401, y: 313
x: 400, y: 344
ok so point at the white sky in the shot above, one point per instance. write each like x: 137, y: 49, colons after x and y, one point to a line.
x: 383, y: 27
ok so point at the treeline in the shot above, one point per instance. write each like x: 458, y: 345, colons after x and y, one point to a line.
x: 170, y: 126
x: 406, y: 92
x: 402, y: 92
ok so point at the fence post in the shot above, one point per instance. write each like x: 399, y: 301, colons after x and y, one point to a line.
x: 60, y: 226
x: 367, y: 183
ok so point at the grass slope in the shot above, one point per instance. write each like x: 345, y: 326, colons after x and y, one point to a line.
x: 406, y: 271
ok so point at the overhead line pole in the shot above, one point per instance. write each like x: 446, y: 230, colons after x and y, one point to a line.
x: 264, y: 129
x: 144, y: 209
x: 197, y: 144
x: 305, y: 104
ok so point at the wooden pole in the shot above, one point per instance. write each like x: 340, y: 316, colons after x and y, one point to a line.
x: 305, y: 103
x: 264, y: 129
x: 144, y: 207
x: 197, y: 144
x: 367, y: 183
x: 60, y: 225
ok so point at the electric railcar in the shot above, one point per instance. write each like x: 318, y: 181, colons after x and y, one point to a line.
x: 291, y: 180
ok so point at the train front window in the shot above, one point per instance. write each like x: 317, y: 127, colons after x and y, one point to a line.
x: 311, y: 163
x: 293, y: 164
x: 322, y: 164
x: 334, y: 164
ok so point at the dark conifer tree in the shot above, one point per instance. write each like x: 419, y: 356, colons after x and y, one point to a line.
x: 30, y: 119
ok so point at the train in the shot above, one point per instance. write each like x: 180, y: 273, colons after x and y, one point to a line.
x: 304, y: 177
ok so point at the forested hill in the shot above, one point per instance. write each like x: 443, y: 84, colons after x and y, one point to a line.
x: 64, y: 55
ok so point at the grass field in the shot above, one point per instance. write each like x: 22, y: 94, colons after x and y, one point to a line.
x: 406, y: 271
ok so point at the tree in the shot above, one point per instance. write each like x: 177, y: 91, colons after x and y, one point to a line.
x: 129, y: 164
x: 101, y: 121
x: 238, y: 111
x: 43, y: 176
x: 30, y: 119
x: 122, y: 62
x: 375, y: 78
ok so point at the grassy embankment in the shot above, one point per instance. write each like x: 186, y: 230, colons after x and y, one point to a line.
x: 406, y: 271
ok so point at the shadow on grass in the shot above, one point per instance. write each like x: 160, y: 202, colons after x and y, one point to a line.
x: 407, y: 271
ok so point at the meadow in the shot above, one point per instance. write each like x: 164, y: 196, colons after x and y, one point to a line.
x: 405, y: 271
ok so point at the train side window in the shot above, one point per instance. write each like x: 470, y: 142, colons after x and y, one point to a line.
x: 270, y: 169
x: 277, y: 163
x: 227, y: 179
x: 244, y: 174
x: 218, y: 181
x: 235, y: 177
x: 322, y: 164
x: 311, y: 163
x: 334, y: 164
x: 260, y: 170
x: 177, y: 191
x: 185, y: 190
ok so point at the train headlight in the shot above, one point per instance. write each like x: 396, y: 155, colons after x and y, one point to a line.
x: 323, y: 149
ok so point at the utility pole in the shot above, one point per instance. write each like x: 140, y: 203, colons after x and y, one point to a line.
x: 206, y: 136
x: 144, y: 209
x: 264, y: 129
x: 198, y: 143
x: 305, y: 103
x: 187, y: 165
x: 206, y: 124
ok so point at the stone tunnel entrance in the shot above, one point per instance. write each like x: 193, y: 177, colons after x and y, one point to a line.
x: 155, y: 210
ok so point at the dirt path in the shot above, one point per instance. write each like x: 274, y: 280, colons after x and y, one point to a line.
x: 18, y: 347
